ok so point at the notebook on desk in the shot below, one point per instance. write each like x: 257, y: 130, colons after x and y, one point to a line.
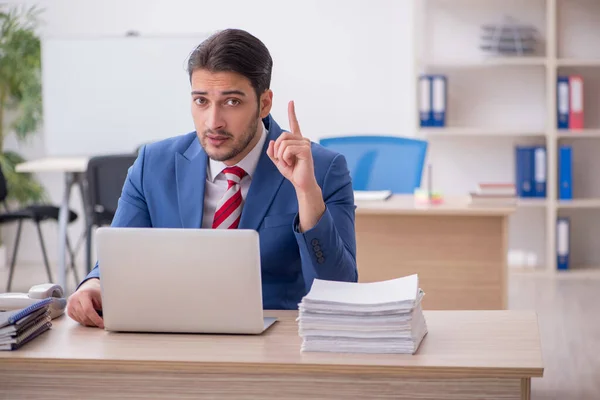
x: 19, y: 327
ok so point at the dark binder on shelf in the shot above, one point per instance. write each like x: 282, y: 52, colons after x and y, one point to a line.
x: 524, y: 168
x: 439, y: 100
x: 563, y: 242
x: 565, y: 172
x: 539, y: 171
x: 425, y: 99
x: 562, y: 102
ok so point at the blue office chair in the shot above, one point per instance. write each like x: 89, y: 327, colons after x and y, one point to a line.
x: 382, y: 162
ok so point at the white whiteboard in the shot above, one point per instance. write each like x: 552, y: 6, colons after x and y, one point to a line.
x: 112, y: 94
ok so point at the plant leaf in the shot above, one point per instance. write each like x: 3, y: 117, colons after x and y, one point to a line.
x: 23, y: 188
x: 20, y: 69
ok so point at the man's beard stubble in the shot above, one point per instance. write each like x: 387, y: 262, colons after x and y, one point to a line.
x: 247, y: 138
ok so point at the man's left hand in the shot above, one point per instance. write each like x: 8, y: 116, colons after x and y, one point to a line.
x: 292, y: 155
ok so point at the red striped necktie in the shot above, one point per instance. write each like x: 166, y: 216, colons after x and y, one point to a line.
x: 229, y: 208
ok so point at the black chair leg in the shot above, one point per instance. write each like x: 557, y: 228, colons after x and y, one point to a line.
x: 72, y: 257
x: 14, y: 257
x: 39, y: 230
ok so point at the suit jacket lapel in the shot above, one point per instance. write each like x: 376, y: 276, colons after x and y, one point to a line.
x: 265, y: 183
x: 190, y: 171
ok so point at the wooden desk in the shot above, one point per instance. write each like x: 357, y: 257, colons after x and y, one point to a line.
x: 458, y: 250
x: 466, y: 355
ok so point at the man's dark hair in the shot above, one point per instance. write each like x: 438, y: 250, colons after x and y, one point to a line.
x: 234, y: 50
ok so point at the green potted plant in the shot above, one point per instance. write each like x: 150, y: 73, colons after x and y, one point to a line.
x: 20, y: 98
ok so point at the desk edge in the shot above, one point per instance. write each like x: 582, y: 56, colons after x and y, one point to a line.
x: 277, y: 368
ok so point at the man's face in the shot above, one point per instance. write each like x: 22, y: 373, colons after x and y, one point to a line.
x: 227, y: 114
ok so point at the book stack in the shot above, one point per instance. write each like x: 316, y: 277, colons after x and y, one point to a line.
x: 349, y: 317
x: 494, y: 194
x: 509, y: 38
x: 19, y: 327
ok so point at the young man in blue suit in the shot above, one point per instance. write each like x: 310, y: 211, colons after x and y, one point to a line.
x: 240, y: 170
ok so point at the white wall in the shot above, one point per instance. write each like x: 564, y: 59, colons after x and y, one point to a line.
x: 357, y: 53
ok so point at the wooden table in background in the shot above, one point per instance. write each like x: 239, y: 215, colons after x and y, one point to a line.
x: 458, y: 250
x: 73, y: 169
x: 466, y: 355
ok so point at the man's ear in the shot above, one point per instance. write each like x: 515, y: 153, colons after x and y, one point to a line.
x: 266, y: 102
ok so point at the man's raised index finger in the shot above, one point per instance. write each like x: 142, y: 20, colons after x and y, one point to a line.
x: 294, y: 126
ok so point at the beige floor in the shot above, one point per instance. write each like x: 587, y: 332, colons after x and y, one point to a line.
x: 568, y: 310
x: 569, y: 318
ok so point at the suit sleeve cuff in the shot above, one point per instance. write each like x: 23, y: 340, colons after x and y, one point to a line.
x: 95, y: 273
x: 311, y: 239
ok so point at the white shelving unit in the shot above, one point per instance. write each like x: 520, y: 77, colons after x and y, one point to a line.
x: 496, y: 102
x: 479, y: 132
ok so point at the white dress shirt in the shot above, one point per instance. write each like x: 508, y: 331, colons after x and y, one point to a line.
x: 216, y: 183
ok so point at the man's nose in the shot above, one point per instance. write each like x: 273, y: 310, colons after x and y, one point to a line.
x: 215, y: 120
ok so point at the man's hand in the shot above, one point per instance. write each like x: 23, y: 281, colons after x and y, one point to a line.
x: 292, y: 155
x: 84, y: 302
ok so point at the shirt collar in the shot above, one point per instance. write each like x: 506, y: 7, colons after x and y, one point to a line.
x: 248, y: 163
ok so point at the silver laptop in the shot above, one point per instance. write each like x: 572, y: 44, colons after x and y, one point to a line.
x: 181, y: 280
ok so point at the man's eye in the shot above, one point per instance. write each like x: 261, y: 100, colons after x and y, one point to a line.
x: 200, y: 101
x: 233, y: 102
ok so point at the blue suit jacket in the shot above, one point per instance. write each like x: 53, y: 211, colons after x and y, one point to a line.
x: 165, y: 187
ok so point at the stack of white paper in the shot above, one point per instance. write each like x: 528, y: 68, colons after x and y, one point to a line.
x: 378, y: 317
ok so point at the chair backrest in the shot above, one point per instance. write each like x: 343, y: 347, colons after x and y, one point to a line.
x: 3, y: 187
x: 105, y: 177
x: 382, y: 162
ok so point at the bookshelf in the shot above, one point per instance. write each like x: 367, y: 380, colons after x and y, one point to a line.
x: 581, y: 134
x: 479, y: 132
x: 497, y: 102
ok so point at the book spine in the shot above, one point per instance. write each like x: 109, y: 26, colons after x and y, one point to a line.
x: 524, y: 171
x: 562, y: 102
x: 540, y: 171
x: 565, y: 173
x: 576, y: 104
x: 563, y: 242
x: 425, y: 98
x: 439, y: 102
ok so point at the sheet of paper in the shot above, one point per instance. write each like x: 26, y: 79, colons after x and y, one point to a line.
x: 375, y: 195
x: 370, y: 293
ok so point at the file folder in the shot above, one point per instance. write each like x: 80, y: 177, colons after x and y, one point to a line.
x: 425, y: 95
x: 540, y: 171
x: 562, y: 102
x: 439, y: 100
x: 563, y: 242
x: 524, y: 169
x: 565, y: 173
x: 576, y: 102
